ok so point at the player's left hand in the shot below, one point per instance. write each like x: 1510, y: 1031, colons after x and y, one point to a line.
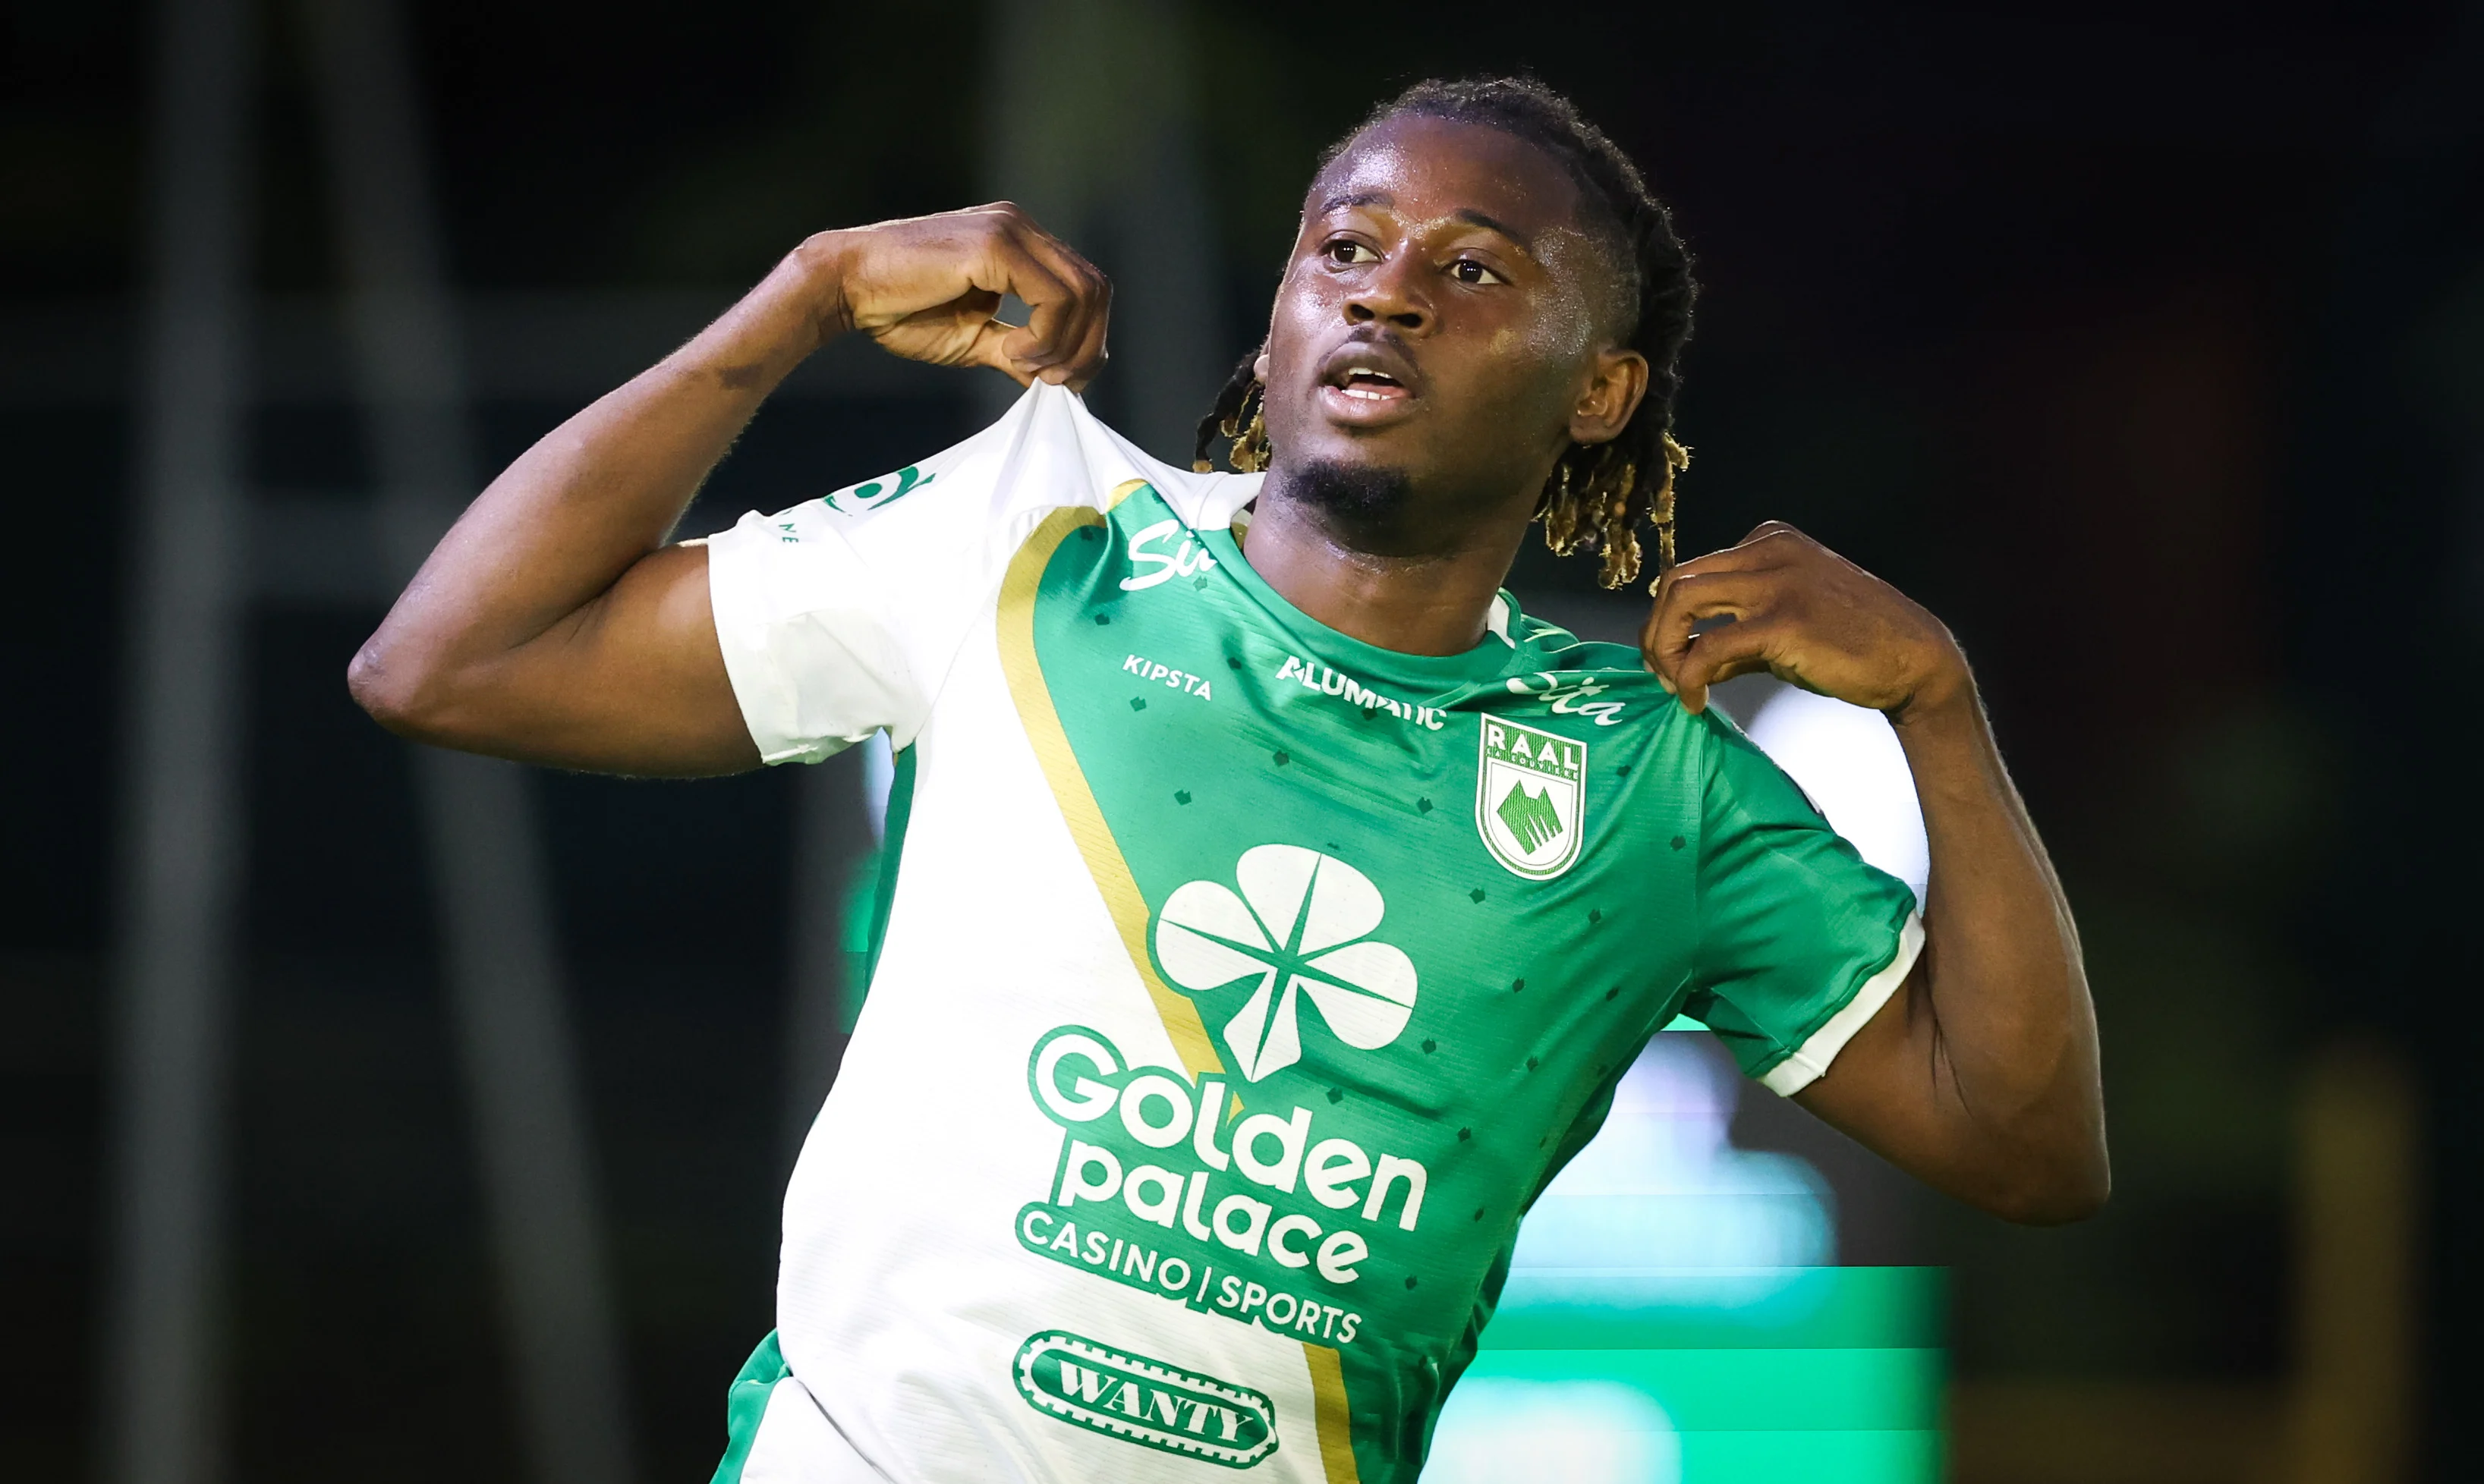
x: 1807, y: 616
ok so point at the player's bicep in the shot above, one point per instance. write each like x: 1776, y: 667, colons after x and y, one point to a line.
x: 633, y: 682
x: 1881, y: 1089
x: 1894, y: 1091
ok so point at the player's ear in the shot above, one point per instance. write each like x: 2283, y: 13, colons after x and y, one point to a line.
x: 1260, y: 367
x: 1615, y: 383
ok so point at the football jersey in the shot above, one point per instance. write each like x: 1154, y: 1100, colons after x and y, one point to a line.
x: 1235, y: 984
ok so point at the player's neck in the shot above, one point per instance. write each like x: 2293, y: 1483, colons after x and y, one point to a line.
x: 1433, y: 602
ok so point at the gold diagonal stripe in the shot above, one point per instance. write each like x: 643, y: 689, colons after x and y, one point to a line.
x: 1333, y: 1416
x: 1069, y: 789
x: 1333, y: 1419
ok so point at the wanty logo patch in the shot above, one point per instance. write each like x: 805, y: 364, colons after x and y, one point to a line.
x: 1144, y: 1401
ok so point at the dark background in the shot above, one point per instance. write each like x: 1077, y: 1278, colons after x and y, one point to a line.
x: 2144, y: 343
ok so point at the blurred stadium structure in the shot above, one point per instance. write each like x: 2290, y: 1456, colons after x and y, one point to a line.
x: 1790, y: 1312
x: 406, y: 370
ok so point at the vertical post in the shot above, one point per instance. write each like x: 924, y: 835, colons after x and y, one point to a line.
x: 2356, y: 1186
x: 500, y: 958
x: 180, y: 851
x: 1094, y: 128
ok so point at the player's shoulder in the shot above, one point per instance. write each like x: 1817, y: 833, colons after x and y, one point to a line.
x: 1603, y: 692
x: 1049, y: 452
x: 1605, y: 686
x: 1558, y: 649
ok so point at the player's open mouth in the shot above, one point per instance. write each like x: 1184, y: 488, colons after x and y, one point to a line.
x: 1365, y: 385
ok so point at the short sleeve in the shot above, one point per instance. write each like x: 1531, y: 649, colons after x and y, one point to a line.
x: 1801, y: 941
x: 840, y: 617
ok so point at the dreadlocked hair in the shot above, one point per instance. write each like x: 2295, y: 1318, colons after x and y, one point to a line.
x: 1236, y: 417
x: 1599, y: 492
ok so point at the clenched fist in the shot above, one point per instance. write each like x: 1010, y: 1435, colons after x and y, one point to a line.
x: 930, y: 288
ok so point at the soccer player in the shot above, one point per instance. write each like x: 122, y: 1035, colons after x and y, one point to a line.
x: 1272, y: 906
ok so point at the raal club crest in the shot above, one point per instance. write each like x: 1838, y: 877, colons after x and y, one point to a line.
x: 1531, y: 797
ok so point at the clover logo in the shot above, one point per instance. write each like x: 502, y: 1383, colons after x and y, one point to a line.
x: 1300, y: 928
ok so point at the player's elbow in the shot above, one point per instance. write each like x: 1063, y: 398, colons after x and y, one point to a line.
x: 411, y: 699
x: 393, y: 697
x: 2053, y: 1188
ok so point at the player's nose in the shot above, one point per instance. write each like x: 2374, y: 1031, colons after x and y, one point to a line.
x: 1390, y: 294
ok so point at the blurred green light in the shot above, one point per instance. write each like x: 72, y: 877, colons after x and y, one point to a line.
x: 1757, y: 1375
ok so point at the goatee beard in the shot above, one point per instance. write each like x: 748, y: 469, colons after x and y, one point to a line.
x: 1366, y: 505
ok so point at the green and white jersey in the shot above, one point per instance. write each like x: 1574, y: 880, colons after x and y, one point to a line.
x: 1240, y: 984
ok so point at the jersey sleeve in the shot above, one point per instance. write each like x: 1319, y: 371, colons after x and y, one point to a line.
x: 840, y: 617
x: 1801, y: 941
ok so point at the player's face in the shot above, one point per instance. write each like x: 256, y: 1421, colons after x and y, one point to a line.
x: 1443, y: 314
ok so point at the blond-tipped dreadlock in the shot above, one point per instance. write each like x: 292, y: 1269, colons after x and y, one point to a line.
x: 1595, y: 497
x: 1592, y: 502
x: 1240, y: 419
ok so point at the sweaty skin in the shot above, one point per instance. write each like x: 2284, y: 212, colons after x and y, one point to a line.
x: 1450, y: 258
x: 1451, y: 317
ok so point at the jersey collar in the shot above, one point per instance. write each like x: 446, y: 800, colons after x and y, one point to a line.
x: 1489, y: 658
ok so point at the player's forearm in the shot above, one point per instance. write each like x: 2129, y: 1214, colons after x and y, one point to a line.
x: 2008, y: 1031
x: 562, y: 524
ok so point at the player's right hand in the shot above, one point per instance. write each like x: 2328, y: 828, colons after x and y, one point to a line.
x: 930, y: 288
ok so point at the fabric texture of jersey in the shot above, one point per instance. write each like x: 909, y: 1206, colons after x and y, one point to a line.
x: 1238, y: 985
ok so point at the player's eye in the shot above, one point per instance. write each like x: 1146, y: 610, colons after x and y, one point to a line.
x: 1466, y: 270
x: 1346, y: 251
